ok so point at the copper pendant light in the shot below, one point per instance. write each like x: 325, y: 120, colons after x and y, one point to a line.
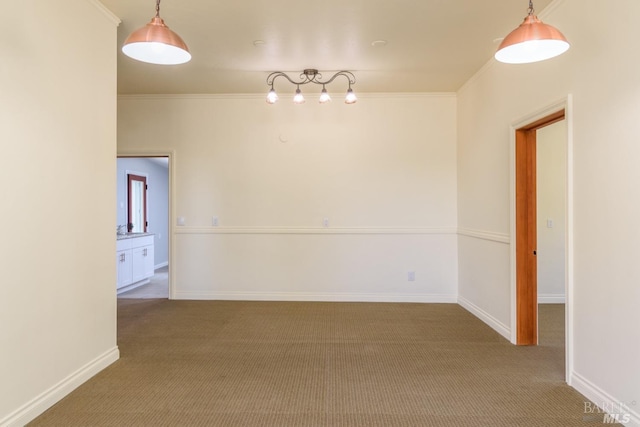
x: 532, y: 41
x: 155, y: 43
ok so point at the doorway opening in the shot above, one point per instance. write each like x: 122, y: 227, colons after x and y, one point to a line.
x: 524, y: 310
x: 551, y: 234
x: 526, y: 228
x: 143, y: 210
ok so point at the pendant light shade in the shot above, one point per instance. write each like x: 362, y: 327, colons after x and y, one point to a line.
x: 351, y: 97
x: 324, y: 96
x: 155, y: 43
x: 532, y: 41
x: 298, y: 98
x: 272, y: 97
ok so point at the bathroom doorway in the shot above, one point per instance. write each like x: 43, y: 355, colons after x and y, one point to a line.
x: 150, y: 204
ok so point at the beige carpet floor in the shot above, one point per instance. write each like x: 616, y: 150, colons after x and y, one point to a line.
x: 226, y: 363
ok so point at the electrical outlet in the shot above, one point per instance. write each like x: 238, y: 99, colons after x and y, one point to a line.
x: 411, y: 276
x: 325, y: 222
x: 214, y: 221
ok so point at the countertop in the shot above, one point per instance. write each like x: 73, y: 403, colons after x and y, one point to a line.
x: 132, y: 235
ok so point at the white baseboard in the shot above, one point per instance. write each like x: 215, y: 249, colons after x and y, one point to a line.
x: 605, y: 401
x: 50, y: 397
x: 162, y: 264
x: 495, y: 324
x: 132, y: 286
x: 551, y: 299
x: 328, y: 297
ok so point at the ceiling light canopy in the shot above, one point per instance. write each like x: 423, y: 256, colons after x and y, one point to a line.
x: 307, y: 76
x: 532, y: 41
x: 155, y: 43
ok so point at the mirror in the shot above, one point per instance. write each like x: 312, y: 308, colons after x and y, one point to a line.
x: 137, y: 198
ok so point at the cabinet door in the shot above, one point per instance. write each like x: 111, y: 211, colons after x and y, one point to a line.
x: 124, y: 268
x: 138, y: 255
x: 149, y: 261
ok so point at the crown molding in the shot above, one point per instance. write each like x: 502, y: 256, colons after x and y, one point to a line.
x: 261, y: 96
x: 550, y: 9
x: 106, y: 12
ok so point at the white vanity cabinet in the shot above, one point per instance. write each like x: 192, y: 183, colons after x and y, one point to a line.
x: 142, y: 257
x: 123, y: 264
x: 134, y: 261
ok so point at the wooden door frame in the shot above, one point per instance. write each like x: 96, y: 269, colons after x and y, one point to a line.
x: 526, y: 238
x: 526, y: 228
x: 523, y: 129
x: 141, y: 177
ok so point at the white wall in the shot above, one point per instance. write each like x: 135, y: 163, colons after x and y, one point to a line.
x: 601, y: 72
x: 58, y: 133
x: 157, y: 200
x: 551, y: 183
x: 382, y: 171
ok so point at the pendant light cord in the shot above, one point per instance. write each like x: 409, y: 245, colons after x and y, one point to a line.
x: 157, y: 8
x: 530, y: 7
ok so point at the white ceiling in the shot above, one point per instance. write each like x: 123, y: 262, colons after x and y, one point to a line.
x: 432, y: 45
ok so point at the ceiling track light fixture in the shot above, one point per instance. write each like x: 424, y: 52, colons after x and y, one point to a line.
x: 532, y: 41
x: 307, y: 76
x: 155, y: 43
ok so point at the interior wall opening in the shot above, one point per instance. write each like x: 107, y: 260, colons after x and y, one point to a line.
x: 143, y: 249
x: 548, y: 164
